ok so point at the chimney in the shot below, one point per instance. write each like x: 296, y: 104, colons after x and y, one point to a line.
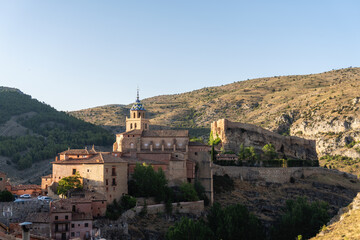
x: 25, y: 226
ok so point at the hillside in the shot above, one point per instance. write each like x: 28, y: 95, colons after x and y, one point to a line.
x: 31, y: 131
x: 320, y: 106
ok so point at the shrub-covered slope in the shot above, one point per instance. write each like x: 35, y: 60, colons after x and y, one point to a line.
x: 31, y: 131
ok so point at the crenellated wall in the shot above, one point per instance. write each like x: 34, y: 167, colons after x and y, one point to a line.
x: 233, y: 134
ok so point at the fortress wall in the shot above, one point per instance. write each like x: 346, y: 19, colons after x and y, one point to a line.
x: 181, y: 207
x: 233, y: 134
x: 273, y: 175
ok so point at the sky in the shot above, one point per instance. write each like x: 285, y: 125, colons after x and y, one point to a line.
x: 76, y: 54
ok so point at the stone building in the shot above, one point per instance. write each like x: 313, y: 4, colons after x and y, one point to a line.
x: 233, y: 134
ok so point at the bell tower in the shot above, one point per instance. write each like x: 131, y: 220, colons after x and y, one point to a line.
x: 137, y: 120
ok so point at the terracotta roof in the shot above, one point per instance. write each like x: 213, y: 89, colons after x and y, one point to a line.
x: 132, y: 132
x: 101, y: 157
x: 78, y: 152
x: 25, y: 187
x: 166, y: 133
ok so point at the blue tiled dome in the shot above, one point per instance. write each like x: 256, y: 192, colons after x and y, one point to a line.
x: 137, y: 106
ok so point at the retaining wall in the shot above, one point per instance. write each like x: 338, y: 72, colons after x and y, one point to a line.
x: 272, y: 174
x: 181, y: 207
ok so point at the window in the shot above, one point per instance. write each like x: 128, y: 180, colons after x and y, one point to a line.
x: 74, y: 171
x: 56, y: 217
x: 113, y: 171
x: 135, y: 126
x: 113, y: 182
x: 66, y: 217
x: 86, y: 225
x: 1, y: 178
x: 73, y: 209
x: 72, y: 234
x: 134, y: 115
x: 72, y: 225
x: 195, y: 153
x: 107, y: 182
x: 138, y: 115
x: 88, y: 170
x: 130, y: 125
x: 56, y: 227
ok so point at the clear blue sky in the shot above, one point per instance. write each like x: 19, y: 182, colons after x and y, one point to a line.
x: 75, y: 54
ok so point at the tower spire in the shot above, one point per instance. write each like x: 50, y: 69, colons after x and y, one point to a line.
x: 137, y: 96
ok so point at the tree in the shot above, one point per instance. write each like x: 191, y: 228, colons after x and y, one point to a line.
x: 188, y: 229
x: 6, y: 196
x: 188, y: 192
x: 234, y: 222
x: 269, y: 151
x: 148, y: 183
x: 212, y: 142
x: 69, y: 183
x: 301, y: 218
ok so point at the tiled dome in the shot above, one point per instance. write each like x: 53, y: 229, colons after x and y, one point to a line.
x: 137, y: 106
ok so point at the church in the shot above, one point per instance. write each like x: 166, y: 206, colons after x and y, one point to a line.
x: 108, y: 172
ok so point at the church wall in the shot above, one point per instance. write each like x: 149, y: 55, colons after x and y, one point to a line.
x: 176, y: 173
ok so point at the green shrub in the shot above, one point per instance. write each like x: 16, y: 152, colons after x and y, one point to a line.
x: 188, y: 192
x: 188, y: 229
x: 269, y: 151
x: 301, y: 218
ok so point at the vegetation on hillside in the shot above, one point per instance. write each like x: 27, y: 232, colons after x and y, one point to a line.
x: 6, y: 196
x: 48, y: 131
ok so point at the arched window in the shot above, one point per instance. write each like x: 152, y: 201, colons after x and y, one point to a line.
x: 135, y: 126
x: 134, y: 115
x: 138, y: 115
x: 130, y: 125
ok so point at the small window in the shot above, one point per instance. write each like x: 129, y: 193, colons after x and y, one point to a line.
x: 86, y: 225
x: 72, y: 233
x: 135, y: 126
x: 74, y: 171
x: 88, y: 170
x: 56, y: 217
x: 107, y: 182
x: 113, y: 182
x: 134, y: 115
x: 66, y: 217
x: 113, y: 171
x: 73, y: 209
x: 138, y: 115
x: 196, y: 153
x: 1, y: 178
x: 72, y: 225
x: 130, y: 125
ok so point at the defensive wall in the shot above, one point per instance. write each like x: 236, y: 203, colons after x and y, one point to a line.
x: 233, y: 134
x: 182, y: 207
x: 273, y: 175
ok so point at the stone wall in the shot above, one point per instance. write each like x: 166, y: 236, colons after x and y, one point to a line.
x: 181, y: 207
x: 273, y: 175
x: 14, y: 212
x: 233, y: 134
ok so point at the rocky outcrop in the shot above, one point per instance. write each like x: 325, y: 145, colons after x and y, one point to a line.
x: 333, y: 136
x: 233, y: 134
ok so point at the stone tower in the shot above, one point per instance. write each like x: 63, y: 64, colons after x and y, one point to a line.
x: 137, y: 118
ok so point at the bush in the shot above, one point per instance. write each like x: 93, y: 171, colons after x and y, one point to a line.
x: 234, y: 222
x: 6, y: 196
x: 188, y: 192
x: 188, y: 229
x: 301, y: 218
x: 222, y: 183
x: 269, y: 151
x: 115, y: 209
